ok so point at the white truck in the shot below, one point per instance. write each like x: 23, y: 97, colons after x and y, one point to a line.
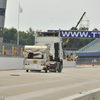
x: 53, y: 40
x: 36, y: 58
x: 47, y: 54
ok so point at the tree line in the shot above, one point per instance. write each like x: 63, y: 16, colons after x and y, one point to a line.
x: 28, y: 38
x: 25, y: 38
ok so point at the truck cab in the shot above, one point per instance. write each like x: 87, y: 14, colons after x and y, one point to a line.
x: 53, y: 40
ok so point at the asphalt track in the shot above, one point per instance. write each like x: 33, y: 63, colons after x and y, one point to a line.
x: 19, y: 85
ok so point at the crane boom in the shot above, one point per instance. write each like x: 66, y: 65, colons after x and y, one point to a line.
x: 76, y: 27
x: 66, y: 42
x: 80, y: 20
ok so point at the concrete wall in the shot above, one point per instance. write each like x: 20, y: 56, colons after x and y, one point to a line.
x: 90, y: 95
x: 17, y: 63
x: 11, y: 63
x: 69, y: 63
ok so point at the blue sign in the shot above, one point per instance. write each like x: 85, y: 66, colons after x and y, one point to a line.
x: 77, y: 34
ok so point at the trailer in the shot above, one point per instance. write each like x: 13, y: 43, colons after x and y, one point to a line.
x: 36, y: 58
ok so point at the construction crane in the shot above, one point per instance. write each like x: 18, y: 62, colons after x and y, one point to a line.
x: 76, y: 27
x: 66, y: 42
x: 80, y: 20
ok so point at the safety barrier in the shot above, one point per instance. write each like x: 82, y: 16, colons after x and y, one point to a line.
x: 90, y: 61
x: 90, y: 95
x: 17, y: 63
x: 67, y: 64
x: 11, y: 63
x: 11, y: 50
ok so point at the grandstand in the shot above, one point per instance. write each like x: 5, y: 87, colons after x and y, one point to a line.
x: 94, y: 47
x: 89, y: 54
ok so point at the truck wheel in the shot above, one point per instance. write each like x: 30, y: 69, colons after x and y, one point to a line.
x: 55, y: 70
x: 45, y: 70
x: 26, y: 70
x: 49, y: 70
x: 60, y: 69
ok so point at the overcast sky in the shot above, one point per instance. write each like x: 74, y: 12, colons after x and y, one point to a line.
x: 52, y: 14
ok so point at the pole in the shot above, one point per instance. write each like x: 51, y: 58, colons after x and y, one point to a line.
x: 18, y: 27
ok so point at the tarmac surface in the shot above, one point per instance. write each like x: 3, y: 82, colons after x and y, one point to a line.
x: 20, y: 85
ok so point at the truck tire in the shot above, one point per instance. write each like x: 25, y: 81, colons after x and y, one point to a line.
x: 26, y: 70
x: 45, y: 70
x: 55, y: 70
x: 60, y: 68
x: 49, y: 70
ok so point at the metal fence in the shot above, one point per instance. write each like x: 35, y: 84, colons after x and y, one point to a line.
x: 11, y: 50
x: 91, y: 61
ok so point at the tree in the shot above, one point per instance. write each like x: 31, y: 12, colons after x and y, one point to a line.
x: 31, y: 32
x: 28, y: 38
x: 31, y: 36
x: 10, y: 35
x: 95, y: 29
x: 73, y: 28
x: 23, y: 38
x: 0, y: 33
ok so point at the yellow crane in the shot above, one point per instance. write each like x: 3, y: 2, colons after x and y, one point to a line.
x: 66, y: 42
